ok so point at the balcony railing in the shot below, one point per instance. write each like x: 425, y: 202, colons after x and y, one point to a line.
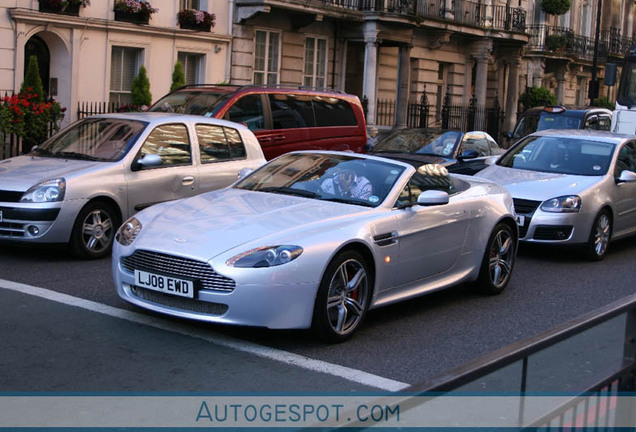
x: 610, y: 42
x: 465, y: 12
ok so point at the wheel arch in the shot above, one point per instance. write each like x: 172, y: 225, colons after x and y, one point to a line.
x: 109, y: 201
x: 363, y: 250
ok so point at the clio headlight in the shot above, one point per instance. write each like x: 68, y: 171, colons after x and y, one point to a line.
x: 128, y: 232
x: 562, y: 204
x: 47, y: 191
x: 266, y: 256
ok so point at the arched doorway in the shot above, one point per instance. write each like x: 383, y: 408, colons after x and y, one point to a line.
x: 37, y: 47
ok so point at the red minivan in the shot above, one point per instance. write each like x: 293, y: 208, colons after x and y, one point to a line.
x: 283, y: 119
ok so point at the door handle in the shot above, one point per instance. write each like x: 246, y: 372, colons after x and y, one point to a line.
x: 187, y: 180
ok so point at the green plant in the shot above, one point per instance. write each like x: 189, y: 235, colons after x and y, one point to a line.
x: 178, y: 76
x: 604, y: 102
x: 140, y: 91
x: 32, y: 80
x: 556, y: 42
x: 556, y: 7
x: 537, y: 96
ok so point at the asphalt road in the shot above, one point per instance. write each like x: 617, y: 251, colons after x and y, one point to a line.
x: 54, y: 346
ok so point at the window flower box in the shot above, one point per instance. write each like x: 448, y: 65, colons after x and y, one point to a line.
x: 66, y: 7
x: 133, y: 11
x: 192, y: 19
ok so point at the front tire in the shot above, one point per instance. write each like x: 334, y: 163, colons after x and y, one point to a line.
x: 343, y: 297
x: 499, y: 259
x: 597, y: 244
x: 94, y: 231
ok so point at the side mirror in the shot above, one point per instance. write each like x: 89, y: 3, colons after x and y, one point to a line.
x: 469, y: 154
x: 432, y: 198
x: 244, y: 172
x: 149, y: 160
x: 627, y: 177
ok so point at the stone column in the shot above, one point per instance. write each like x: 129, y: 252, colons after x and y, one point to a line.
x: 404, y: 69
x: 369, y: 84
x: 481, y: 78
x: 512, y: 97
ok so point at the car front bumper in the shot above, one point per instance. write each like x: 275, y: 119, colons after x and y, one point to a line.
x: 557, y: 228
x: 269, y: 303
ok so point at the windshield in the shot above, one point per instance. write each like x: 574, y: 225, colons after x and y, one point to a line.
x: 421, y: 141
x: 627, y: 87
x: 532, y: 123
x: 99, y: 139
x: 573, y: 156
x: 194, y: 102
x: 328, y: 177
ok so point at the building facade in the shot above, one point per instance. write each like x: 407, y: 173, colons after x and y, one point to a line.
x: 482, y: 53
x: 88, y: 54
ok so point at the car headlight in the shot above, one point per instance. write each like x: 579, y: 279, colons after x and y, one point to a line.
x: 127, y: 233
x: 562, y: 204
x: 47, y: 191
x: 266, y: 256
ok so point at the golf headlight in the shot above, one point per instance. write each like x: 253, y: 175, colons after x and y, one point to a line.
x: 47, y: 191
x: 266, y: 256
x: 127, y: 233
x: 562, y: 204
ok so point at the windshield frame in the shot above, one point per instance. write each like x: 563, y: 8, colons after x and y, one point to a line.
x: 79, y: 141
x: 309, y: 173
x: 409, y: 141
x: 560, y: 155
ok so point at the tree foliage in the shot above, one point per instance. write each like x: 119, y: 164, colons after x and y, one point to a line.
x: 537, y: 96
x: 32, y: 82
x: 556, y: 7
x: 178, y: 76
x: 140, y: 91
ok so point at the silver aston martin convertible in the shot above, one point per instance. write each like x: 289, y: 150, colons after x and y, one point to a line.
x: 315, y: 240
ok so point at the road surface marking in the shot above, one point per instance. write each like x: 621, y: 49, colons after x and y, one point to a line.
x: 300, y: 361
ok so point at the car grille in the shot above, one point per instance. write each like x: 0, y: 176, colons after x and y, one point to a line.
x: 12, y: 229
x: 553, y: 232
x: 186, y: 268
x: 10, y: 196
x: 181, y: 303
x: 526, y: 208
x: 523, y: 206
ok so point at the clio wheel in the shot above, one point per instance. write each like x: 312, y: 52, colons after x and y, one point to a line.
x: 94, y: 231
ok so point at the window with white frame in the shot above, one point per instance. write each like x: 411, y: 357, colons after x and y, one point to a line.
x: 124, y: 64
x: 315, y: 69
x: 266, y: 57
x: 191, y: 4
x: 191, y: 66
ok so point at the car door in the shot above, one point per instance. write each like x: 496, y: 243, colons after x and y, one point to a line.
x: 430, y: 237
x: 625, y: 199
x: 222, y: 154
x: 173, y: 176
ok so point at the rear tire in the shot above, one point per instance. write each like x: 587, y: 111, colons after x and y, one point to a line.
x: 498, y: 261
x: 600, y: 236
x: 343, y: 297
x: 94, y: 231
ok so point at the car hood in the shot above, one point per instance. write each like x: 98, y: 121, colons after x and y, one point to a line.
x: 22, y: 172
x: 212, y: 223
x: 421, y: 159
x: 534, y: 185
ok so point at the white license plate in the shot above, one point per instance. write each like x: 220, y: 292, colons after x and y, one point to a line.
x: 164, y: 284
x: 521, y: 220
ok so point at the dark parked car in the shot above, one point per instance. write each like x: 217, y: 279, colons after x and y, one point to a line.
x: 558, y: 117
x: 283, y: 119
x: 459, y: 152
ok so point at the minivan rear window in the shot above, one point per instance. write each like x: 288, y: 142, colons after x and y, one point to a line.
x: 333, y: 112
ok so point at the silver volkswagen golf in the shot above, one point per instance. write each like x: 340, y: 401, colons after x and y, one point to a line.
x: 79, y: 185
x: 571, y: 187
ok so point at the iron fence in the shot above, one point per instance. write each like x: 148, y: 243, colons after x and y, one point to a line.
x: 85, y: 109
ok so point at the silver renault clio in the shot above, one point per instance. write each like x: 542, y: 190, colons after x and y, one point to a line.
x: 79, y: 185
